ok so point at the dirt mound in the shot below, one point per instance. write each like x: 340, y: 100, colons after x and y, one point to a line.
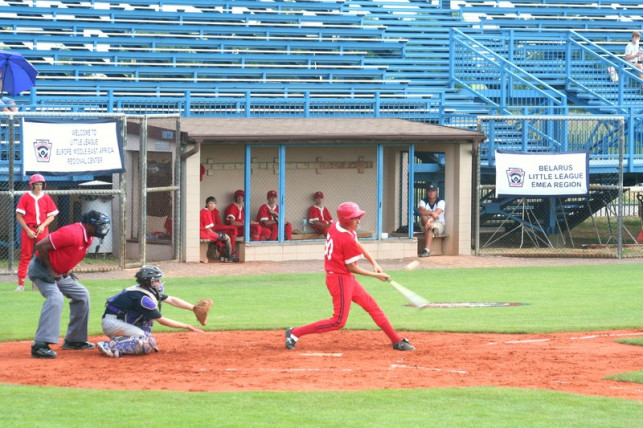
x: 343, y: 360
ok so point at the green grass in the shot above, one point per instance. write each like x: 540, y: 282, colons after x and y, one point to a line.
x: 461, y: 407
x: 573, y: 298
x: 635, y: 377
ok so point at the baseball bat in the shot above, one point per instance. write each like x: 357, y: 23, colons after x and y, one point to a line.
x: 414, y: 299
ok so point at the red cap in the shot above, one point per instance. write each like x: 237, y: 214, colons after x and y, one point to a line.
x: 271, y: 193
x: 319, y: 194
x: 239, y: 193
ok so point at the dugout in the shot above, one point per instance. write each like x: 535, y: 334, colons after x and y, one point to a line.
x: 371, y: 161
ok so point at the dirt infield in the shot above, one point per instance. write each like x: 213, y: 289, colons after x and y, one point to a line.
x: 344, y: 360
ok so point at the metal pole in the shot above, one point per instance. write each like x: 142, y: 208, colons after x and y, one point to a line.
x: 142, y: 167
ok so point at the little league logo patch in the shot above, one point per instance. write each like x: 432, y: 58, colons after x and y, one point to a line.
x: 516, y: 177
x: 43, y: 150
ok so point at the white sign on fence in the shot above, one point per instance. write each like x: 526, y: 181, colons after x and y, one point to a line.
x: 541, y: 174
x: 72, y: 147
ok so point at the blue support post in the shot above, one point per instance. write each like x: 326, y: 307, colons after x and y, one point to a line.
x: 282, y: 191
x: 246, y: 189
x: 411, y: 185
x: 380, y: 179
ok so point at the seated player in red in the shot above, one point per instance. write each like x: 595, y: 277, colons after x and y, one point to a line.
x: 216, y: 238
x: 318, y: 215
x: 268, y: 217
x: 234, y: 216
x: 219, y: 226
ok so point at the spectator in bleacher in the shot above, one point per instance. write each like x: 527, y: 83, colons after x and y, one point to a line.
x: 219, y: 226
x: 318, y: 215
x: 268, y: 217
x: 6, y: 103
x: 234, y: 216
x: 632, y: 53
x: 431, y: 211
x: 216, y: 238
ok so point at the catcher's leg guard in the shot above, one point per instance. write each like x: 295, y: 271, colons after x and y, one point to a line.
x: 134, y: 345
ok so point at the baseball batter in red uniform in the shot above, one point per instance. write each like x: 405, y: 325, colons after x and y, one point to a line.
x: 341, y: 254
x: 268, y: 217
x: 234, y: 216
x: 35, y: 211
x: 318, y: 215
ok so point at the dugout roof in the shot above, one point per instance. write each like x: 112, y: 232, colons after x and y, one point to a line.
x: 293, y: 130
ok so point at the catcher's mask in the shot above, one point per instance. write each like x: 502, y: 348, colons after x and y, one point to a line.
x: 150, y: 277
x: 100, y: 222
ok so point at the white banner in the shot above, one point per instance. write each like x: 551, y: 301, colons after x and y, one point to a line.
x: 541, y: 174
x: 72, y: 147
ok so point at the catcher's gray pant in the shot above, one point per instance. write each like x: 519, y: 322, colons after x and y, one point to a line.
x: 53, y: 292
x: 113, y: 327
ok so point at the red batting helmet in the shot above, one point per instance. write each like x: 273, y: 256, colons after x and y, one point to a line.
x: 348, y: 211
x: 319, y: 194
x: 36, y: 178
x: 239, y: 193
x: 271, y: 193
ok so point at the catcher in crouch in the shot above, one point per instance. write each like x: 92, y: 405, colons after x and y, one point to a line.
x: 130, y: 315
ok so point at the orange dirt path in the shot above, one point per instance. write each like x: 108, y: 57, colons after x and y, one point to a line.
x: 344, y: 360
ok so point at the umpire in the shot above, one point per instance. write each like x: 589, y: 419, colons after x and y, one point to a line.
x: 50, y: 271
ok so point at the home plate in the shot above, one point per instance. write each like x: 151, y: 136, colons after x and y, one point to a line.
x: 322, y: 354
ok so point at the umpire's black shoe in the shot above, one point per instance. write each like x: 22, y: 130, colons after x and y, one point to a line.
x: 41, y: 350
x: 77, y: 346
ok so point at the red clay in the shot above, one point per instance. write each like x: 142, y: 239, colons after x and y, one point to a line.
x: 344, y: 360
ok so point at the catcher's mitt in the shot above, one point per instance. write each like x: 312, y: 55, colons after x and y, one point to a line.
x: 201, y: 309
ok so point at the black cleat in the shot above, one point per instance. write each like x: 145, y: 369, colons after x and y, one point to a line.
x: 77, y: 346
x: 291, y: 340
x: 42, y: 350
x: 403, y: 345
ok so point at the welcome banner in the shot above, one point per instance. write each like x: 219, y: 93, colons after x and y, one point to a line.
x: 72, y: 147
x: 541, y: 174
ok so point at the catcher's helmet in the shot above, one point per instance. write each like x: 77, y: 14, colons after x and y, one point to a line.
x: 99, y: 221
x: 37, y: 178
x: 348, y: 211
x: 146, y: 275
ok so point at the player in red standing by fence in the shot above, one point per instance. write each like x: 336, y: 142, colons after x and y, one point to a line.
x: 35, y: 212
x: 341, y: 254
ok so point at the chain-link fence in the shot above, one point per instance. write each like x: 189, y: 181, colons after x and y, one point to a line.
x: 342, y: 172
x: 595, y: 224
x: 141, y: 207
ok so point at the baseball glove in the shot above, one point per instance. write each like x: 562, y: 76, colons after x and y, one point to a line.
x: 201, y: 309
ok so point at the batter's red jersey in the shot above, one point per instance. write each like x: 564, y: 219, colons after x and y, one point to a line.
x: 234, y: 213
x: 264, y: 215
x: 341, y: 249
x: 36, y: 209
x: 70, y: 245
x: 322, y: 214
